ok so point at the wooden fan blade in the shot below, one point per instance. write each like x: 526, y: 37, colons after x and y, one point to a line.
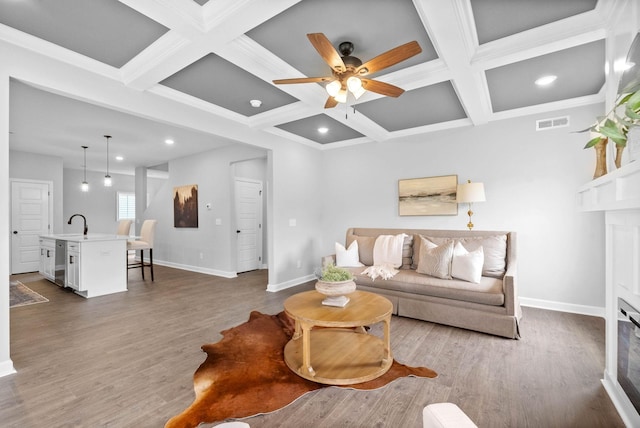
x: 327, y: 51
x: 331, y: 102
x: 389, y: 58
x: 381, y: 88
x: 302, y: 80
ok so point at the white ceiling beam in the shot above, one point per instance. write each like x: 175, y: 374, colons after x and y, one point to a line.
x: 549, y: 38
x: 239, y: 17
x: 447, y: 24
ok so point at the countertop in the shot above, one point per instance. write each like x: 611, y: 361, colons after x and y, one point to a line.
x: 79, y: 237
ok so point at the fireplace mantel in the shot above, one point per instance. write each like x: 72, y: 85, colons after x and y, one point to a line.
x: 617, y: 194
x: 618, y: 190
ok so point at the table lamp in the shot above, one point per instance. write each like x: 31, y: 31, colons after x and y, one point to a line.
x: 469, y: 193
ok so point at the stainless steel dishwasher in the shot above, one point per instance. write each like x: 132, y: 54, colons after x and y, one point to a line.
x: 61, y: 262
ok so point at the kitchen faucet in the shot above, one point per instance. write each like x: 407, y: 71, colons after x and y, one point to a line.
x: 86, y: 229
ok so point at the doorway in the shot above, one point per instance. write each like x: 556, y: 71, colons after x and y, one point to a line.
x: 31, y: 213
x: 248, y: 208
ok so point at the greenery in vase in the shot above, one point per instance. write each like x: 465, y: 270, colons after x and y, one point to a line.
x: 615, y: 126
x: 333, y: 273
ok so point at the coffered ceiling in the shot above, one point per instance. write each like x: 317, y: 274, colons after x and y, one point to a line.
x: 478, y: 64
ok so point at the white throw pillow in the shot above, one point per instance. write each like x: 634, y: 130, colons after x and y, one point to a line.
x: 435, y: 260
x: 347, y: 257
x: 467, y: 265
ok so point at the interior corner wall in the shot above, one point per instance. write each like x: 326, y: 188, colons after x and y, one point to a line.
x: 530, y: 179
x: 6, y: 365
x: 296, y: 209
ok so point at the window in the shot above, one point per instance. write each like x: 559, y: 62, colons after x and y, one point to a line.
x: 126, y: 206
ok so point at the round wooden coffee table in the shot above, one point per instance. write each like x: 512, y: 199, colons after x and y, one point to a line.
x: 340, y: 353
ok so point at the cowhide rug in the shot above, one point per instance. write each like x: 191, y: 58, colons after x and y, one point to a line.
x: 245, y: 374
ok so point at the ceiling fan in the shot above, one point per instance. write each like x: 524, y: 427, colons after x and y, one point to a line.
x: 348, y: 71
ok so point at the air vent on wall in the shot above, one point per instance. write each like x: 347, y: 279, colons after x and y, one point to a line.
x: 555, y: 122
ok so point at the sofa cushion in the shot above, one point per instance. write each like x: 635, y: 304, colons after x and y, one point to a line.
x: 348, y: 257
x: 467, y: 265
x: 435, y: 260
x: 494, y: 248
x: 365, y: 248
x: 366, y: 244
x: 488, y: 292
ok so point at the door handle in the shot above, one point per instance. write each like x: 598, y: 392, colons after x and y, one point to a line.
x: 237, y: 231
x: 15, y: 232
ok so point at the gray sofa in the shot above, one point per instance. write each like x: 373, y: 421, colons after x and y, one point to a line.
x: 490, y: 306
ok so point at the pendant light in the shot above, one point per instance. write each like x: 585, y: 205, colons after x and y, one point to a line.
x: 85, y: 186
x: 107, y: 177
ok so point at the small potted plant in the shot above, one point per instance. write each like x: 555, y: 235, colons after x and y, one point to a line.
x: 334, y: 282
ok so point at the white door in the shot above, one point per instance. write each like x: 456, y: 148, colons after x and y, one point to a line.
x: 30, y: 218
x: 248, y: 224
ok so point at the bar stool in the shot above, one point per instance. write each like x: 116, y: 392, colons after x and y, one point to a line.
x: 145, y: 242
x: 124, y: 226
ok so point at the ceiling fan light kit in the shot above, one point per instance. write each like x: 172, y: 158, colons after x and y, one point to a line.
x: 348, y: 70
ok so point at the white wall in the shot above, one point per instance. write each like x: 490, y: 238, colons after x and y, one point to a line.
x: 530, y: 182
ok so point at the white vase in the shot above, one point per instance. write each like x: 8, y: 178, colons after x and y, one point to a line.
x: 335, y: 291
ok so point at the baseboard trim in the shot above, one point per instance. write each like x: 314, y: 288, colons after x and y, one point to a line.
x: 6, y: 368
x: 291, y: 283
x: 215, y: 272
x: 595, y: 311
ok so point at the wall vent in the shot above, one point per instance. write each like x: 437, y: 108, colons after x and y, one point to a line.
x: 554, y: 122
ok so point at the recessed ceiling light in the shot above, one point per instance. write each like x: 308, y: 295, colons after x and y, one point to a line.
x: 119, y: 158
x: 255, y: 103
x: 169, y: 141
x: 546, y: 80
x: 323, y: 130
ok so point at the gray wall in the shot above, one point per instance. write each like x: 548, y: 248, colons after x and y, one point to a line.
x: 530, y: 181
x: 99, y: 204
x: 206, y: 248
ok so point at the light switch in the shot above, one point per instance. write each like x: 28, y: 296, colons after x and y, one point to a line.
x: 218, y: 221
x: 292, y: 222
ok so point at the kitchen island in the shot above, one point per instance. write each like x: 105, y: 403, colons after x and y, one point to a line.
x: 92, y: 265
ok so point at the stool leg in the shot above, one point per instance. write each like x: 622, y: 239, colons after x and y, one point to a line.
x: 142, y: 263
x: 151, y: 262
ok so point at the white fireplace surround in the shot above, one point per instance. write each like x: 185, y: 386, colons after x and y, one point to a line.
x: 618, y: 195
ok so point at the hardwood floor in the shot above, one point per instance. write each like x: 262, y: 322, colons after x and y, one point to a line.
x: 127, y: 360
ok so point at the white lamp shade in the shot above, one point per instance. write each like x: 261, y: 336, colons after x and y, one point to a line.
x: 333, y: 88
x: 354, y: 83
x: 107, y: 181
x: 470, y: 192
x: 341, y: 96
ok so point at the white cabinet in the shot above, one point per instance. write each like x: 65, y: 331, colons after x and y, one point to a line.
x: 72, y: 279
x: 48, y: 258
x: 95, y: 265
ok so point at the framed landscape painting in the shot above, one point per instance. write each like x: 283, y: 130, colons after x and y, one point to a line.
x: 185, y: 206
x: 428, y: 196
